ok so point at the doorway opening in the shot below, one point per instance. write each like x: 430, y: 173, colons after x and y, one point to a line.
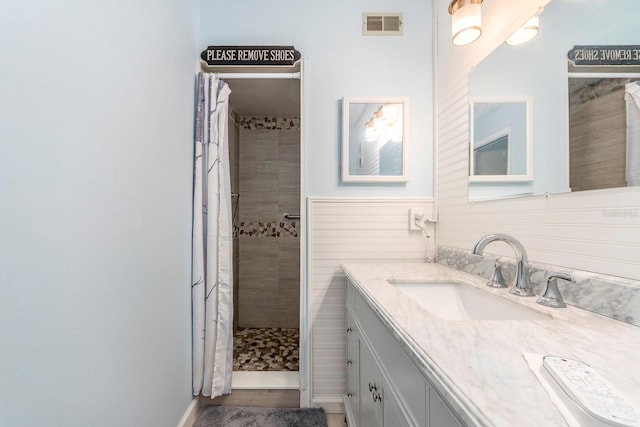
x: 265, y: 146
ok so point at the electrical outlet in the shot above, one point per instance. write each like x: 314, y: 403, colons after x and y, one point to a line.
x: 416, y: 216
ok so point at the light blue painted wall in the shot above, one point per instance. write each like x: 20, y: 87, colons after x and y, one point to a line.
x: 340, y: 62
x: 95, y: 192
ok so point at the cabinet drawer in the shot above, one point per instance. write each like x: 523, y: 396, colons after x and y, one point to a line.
x: 407, y: 380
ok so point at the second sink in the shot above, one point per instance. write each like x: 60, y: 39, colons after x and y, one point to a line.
x: 452, y: 300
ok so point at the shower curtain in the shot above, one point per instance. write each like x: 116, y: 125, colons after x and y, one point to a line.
x: 211, y: 269
x: 632, y: 97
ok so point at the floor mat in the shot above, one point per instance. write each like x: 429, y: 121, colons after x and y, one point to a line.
x: 239, y: 416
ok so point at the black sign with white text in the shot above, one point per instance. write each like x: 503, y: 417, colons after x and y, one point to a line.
x: 605, y: 55
x: 250, y: 55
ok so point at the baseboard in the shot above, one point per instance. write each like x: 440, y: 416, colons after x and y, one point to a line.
x: 189, y: 417
x: 330, y: 405
x: 265, y: 380
x: 259, y: 398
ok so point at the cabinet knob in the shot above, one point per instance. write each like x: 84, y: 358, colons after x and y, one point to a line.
x: 349, y: 362
x: 373, y: 387
x: 348, y: 330
x: 377, y: 397
x: 349, y: 394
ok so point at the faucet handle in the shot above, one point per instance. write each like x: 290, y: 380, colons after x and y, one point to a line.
x: 562, y: 276
x: 551, y: 297
x: 497, y: 279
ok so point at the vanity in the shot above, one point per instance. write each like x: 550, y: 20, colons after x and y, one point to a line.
x: 409, y: 364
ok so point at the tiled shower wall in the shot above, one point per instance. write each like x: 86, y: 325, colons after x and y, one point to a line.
x: 269, y: 255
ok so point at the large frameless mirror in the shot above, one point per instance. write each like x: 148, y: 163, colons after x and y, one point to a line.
x: 580, y: 74
x: 374, y: 139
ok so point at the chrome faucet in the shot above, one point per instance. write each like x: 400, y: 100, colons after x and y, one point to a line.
x: 522, y: 284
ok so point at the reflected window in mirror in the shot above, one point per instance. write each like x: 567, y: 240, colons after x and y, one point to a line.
x: 500, y: 141
x: 491, y: 155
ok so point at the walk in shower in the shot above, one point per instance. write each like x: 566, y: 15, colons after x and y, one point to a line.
x: 264, y: 142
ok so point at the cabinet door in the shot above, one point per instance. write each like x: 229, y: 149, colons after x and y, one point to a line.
x: 439, y: 413
x: 353, y: 394
x: 370, y: 389
x: 392, y: 414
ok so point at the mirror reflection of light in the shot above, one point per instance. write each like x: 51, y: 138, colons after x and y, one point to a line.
x: 395, y: 133
x: 370, y: 133
x: 390, y: 113
x: 385, y: 124
x: 525, y: 33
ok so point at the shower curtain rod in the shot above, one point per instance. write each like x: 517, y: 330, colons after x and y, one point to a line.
x: 609, y: 75
x: 295, y: 76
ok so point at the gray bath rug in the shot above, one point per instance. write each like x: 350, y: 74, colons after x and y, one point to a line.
x: 239, y: 416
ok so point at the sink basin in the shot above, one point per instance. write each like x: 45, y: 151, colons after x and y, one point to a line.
x: 452, y: 300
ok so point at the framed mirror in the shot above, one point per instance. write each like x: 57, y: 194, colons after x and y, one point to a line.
x: 374, y: 139
x: 500, y: 140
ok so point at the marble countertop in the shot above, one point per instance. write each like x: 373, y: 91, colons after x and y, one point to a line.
x: 478, y: 366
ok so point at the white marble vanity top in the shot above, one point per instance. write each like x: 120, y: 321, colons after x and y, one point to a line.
x: 478, y: 365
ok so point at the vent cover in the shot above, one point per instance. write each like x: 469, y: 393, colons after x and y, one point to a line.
x: 382, y: 24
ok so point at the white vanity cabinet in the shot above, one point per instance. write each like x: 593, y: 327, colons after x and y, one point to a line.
x: 439, y: 413
x: 353, y: 365
x: 384, y: 387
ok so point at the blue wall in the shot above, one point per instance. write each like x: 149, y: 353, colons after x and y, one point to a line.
x: 95, y: 193
x: 95, y: 182
x: 340, y: 62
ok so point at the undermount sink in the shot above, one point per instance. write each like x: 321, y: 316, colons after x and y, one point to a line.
x: 452, y: 300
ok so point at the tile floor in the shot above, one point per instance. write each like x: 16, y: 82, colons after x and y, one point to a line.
x: 336, y: 420
x: 272, y: 349
x: 265, y: 349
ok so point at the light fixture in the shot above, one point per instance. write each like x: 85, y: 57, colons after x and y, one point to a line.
x: 525, y: 33
x: 466, y: 21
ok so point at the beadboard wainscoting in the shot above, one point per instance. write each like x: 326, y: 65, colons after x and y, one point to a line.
x: 347, y: 230
x: 597, y: 231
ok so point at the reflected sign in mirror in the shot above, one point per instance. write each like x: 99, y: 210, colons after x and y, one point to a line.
x: 374, y: 142
x: 561, y: 112
x: 500, y: 148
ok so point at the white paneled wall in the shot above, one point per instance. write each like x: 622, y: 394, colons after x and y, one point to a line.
x: 595, y: 231
x: 344, y: 230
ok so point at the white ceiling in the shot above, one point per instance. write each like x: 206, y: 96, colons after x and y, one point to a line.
x: 255, y: 97
x: 265, y: 97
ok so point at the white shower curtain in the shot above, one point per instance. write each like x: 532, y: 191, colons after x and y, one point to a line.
x: 212, y: 272
x: 632, y: 97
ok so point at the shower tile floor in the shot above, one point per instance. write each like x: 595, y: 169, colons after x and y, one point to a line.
x: 265, y: 349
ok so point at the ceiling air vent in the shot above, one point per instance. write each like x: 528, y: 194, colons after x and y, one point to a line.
x: 381, y: 24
